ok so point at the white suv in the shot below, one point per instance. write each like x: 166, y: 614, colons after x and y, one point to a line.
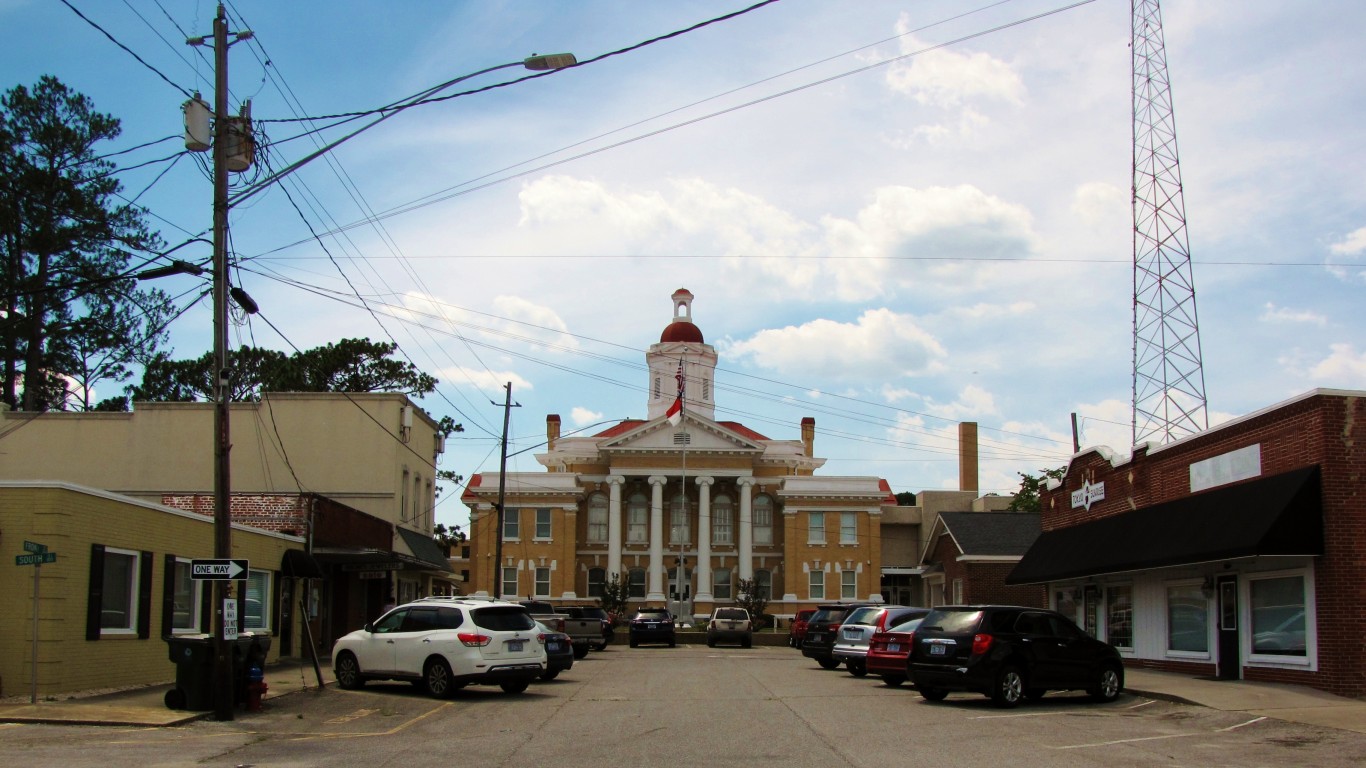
x: 444, y: 644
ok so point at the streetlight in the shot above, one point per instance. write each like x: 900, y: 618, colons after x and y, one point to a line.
x: 225, y: 131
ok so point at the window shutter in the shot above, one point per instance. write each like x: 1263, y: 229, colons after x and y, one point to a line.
x: 275, y: 604
x: 94, y: 606
x: 145, y: 569
x: 167, y: 595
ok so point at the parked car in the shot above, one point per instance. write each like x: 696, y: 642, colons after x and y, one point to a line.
x: 796, y: 631
x: 443, y: 644
x: 559, y: 651
x: 821, y: 629
x: 888, y: 650
x: 1010, y: 653
x: 652, y: 625
x: 858, y: 628
x: 730, y: 625
x: 593, y: 613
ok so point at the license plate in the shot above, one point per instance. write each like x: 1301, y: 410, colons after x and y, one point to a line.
x: 652, y: 626
x: 552, y: 646
x: 515, y: 646
x: 814, y: 637
x: 939, y: 650
x: 893, y: 647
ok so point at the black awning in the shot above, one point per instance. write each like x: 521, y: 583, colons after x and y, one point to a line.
x: 299, y: 564
x: 1277, y: 515
x: 426, y: 550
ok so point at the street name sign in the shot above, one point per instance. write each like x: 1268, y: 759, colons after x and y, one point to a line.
x: 37, y: 558
x: 219, y: 570
x: 35, y: 547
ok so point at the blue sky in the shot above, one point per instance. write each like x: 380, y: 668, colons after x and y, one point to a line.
x: 890, y: 243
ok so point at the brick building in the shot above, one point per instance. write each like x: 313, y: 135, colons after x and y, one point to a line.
x: 1238, y: 552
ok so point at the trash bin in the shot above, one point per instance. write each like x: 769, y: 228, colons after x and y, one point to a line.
x: 193, y: 657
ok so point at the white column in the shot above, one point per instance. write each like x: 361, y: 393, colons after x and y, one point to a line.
x: 746, y: 528
x: 655, y: 589
x: 704, y: 539
x: 614, y: 484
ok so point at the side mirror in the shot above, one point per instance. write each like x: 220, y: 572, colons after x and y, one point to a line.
x: 369, y: 627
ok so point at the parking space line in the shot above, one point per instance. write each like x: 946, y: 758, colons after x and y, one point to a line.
x: 1129, y: 741
x: 1240, y: 725
x: 1021, y: 714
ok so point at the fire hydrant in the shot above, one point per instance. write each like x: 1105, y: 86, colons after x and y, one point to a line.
x: 256, y: 688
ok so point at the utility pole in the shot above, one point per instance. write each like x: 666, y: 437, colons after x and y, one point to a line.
x: 222, y: 512
x: 507, y: 406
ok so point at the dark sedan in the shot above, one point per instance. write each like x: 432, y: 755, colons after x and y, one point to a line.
x: 559, y: 651
x: 1009, y: 653
x: 822, y: 630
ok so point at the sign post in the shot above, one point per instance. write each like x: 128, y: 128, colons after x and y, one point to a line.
x: 37, y: 555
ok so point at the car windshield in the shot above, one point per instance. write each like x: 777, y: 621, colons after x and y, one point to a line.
x: 652, y: 614
x: 731, y: 613
x: 503, y: 619
x: 952, y: 622
x: 907, y: 626
x: 864, y: 616
x: 828, y: 615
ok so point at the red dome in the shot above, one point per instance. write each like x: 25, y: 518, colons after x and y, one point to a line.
x: 681, y: 330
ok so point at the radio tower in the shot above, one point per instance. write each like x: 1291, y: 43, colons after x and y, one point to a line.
x: 1169, y: 381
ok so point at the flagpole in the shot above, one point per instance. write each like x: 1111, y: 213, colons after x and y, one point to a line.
x: 683, y: 490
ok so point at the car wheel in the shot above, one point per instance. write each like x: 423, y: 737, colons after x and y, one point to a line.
x: 827, y: 663
x: 580, y: 651
x: 515, y: 686
x: 550, y: 674
x: 347, y: 672
x: 711, y: 643
x: 437, y: 675
x: 893, y: 680
x: 672, y: 644
x: 933, y: 694
x: 600, y: 647
x: 857, y: 669
x: 748, y: 643
x: 635, y: 643
x: 1108, y: 685
x: 1010, y: 687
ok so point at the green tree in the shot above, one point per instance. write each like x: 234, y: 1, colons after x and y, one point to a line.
x: 1027, y: 498
x: 448, y: 538
x: 616, y: 592
x: 69, y: 310
x: 905, y: 499
x: 350, y: 365
x: 753, y: 600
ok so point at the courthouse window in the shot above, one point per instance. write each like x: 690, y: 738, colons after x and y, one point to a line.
x: 817, y: 585
x: 638, y: 520
x: 597, y: 518
x: 763, y: 521
x: 848, y: 528
x: 722, y: 521
x: 848, y: 585
x: 815, y: 531
x: 542, y: 523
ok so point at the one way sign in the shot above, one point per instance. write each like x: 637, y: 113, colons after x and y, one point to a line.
x: 219, y: 570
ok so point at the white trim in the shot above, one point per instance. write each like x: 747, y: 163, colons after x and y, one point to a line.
x: 1272, y: 661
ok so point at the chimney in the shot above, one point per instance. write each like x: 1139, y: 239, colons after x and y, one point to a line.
x: 552, y: 431
x: 967, y: 456
x: 809, y: 437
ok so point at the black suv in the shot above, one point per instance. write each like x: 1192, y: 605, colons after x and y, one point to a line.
x: 651, y: 625
x: 1009, y: 653
x: 822, y: 630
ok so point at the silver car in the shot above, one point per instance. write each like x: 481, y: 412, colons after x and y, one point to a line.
x: 857, y: 630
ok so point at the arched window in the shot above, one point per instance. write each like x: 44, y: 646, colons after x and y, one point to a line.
x: 637, y: 519
x: 763, y: 584
x: 680, y: 525
x: 636, y: 583
x: 596, y: 577
x: 762, y: 520
x: 597, y: 518
x: 722, y: 520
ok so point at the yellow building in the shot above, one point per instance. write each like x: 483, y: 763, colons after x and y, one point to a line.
x: 680, y: 506
x: 118, y: 584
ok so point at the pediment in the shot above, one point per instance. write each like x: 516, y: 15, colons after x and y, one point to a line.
x: 702, y: 435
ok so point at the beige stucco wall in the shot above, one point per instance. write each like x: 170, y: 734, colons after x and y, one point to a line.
x: 68, y: 520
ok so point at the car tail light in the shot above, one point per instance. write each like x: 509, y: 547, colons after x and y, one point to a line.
x: 559, y: 625
x: 981, y: 643
x: 472, y: 640
x: 879, y: 642
x: 541, y: 638
x: 711, y: 624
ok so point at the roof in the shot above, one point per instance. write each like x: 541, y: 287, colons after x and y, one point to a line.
x: 1277, y: 515
x: 425, y: 549
x: 992, y: 533
x: 682, y: 330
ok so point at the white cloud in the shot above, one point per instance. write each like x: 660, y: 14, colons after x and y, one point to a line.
x: 482, y: 378
x: 947, y: 78
x: 1353, y: 244
x: 880, y: 344
x: 533, y: 322
x: 582, y: 416
x: 973, y: 402
x: 1274, y: 314
x: 1101, y: 203
x: 1345, y: 368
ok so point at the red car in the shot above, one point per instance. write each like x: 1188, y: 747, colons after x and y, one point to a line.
x: 888, y: 652
x: 796, y: 631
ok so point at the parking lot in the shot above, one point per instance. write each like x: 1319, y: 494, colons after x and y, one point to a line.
x: 694, y: 705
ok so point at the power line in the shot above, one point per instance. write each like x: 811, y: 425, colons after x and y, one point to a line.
x: 130, y: 51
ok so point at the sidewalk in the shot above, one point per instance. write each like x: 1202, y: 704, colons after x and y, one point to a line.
x: 146, y: 706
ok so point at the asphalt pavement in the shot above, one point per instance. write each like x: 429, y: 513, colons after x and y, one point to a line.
x: 146, y: 706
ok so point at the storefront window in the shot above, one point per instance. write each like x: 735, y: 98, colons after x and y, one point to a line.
x: 1278, y: 616
x: 1119, y: 616
x: 1187, y: 619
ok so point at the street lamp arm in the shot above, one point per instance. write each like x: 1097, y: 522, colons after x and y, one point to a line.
x: 533, y: 62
